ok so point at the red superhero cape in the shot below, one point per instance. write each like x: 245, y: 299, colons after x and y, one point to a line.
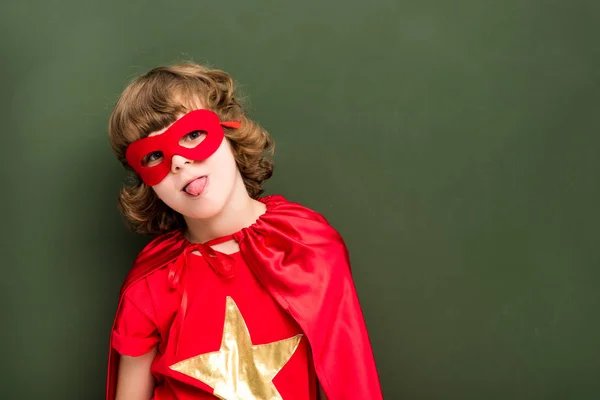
x: 304, y: 264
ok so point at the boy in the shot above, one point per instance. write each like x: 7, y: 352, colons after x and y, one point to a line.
x: 239, y: 297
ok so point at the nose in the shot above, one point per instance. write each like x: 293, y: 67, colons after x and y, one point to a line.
x: 178, y: 162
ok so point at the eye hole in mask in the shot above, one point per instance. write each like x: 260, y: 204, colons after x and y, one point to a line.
x: 189, y: 141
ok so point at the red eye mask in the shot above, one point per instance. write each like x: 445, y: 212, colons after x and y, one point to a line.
x: 168, y: 143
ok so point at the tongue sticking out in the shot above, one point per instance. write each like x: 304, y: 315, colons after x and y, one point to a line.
x: 196, y: 187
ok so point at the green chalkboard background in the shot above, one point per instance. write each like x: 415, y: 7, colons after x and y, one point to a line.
x: 454, y: 144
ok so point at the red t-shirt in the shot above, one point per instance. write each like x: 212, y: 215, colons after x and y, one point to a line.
x: 226, y: 335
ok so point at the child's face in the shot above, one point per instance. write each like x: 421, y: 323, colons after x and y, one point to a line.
x: 213, y: 181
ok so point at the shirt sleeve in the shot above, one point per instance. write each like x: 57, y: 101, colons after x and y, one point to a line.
x: 135, y: 332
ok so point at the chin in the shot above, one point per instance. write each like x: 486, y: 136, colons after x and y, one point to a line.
x: 205, y: 209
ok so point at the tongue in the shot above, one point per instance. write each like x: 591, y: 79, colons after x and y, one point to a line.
x: 196, y: 187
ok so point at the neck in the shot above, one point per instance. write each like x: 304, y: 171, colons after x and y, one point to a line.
x: 239, y: 212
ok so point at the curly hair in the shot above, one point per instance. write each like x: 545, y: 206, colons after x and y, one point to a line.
x: 154, y: 101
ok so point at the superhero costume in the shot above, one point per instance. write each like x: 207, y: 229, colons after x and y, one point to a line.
x: 303, y: 264
x: 257, y: 324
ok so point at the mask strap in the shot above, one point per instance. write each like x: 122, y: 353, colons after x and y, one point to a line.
x: 231, y: 124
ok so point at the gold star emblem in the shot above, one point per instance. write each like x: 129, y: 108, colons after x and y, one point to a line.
x: 240, y: 370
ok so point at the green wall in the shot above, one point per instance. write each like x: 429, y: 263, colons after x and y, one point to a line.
x: 454, y: 144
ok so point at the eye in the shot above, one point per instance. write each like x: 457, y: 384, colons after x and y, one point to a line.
x: 152, y: 159
x: 194, y: 135
x: 192, y: 139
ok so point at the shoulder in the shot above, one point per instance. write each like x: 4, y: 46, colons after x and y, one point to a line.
x: 137, y: 292
x: 278, y: 205
x: 154, y: 281
x: 295, y: 220
x: 158, y: 253
x: 292, y: 231
x: 160, y: 243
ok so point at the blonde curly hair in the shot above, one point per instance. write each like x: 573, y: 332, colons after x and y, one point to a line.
x: 154, y: 101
